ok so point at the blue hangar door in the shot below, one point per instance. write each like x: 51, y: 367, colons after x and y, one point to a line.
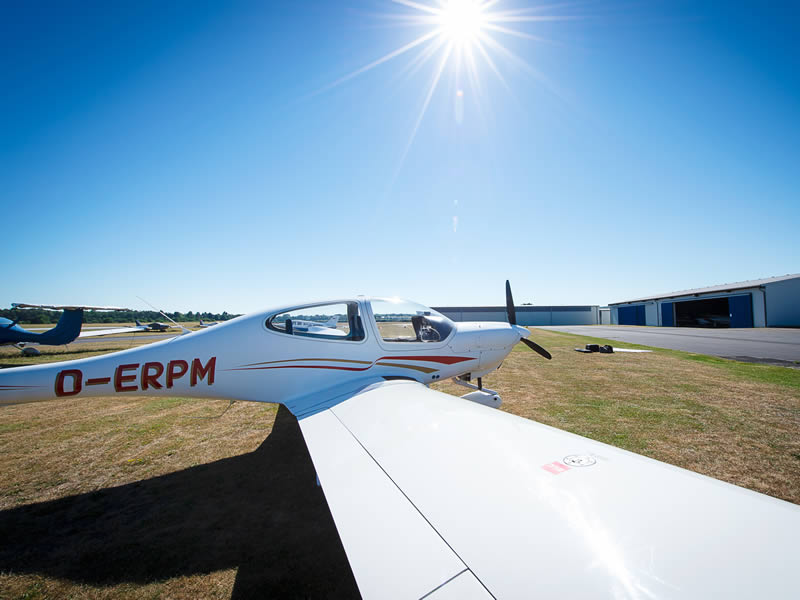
x: 631, y: 315
x: 667, y: 314
x: 741, y: 310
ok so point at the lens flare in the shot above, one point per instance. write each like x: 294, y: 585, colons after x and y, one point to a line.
x: 459, y: 37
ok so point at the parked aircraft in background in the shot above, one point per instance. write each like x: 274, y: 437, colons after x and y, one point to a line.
x: 154, y: 326
x: 439, y: 496
x: 204, y: 324
x: 66, y: 330
x: 316, y: 327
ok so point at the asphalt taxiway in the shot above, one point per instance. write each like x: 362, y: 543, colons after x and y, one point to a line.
x: 763, y: 345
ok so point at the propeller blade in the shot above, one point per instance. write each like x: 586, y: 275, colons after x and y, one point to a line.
x: 536, y: 348
x: 512, y: 319
x: 512, y: 313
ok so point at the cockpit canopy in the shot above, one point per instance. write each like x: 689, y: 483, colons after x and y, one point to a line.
x: 404, y: 321
x: 397, y: 321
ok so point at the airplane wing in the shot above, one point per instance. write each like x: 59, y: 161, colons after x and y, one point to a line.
x: 434, y: 496
x: 69, y: 307
x: 98, y: 332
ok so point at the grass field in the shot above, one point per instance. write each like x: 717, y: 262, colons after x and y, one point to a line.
x: 176, y: 498
x: 12, y: 357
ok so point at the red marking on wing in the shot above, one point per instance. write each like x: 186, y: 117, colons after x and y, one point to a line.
x: 555, y: 468
x: 445, y: 360
x: 98, y: 380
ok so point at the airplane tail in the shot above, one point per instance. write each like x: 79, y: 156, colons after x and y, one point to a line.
x: 332, y: 322
x: 67, y: 329
x: 138, y: 324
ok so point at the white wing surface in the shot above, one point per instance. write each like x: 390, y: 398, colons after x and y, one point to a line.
x: 434, y: 495
x: 98, y: 332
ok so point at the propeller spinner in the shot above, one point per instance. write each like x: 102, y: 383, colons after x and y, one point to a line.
x: 512, y: 319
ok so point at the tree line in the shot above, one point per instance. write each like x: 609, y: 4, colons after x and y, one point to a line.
x: 39, y: 316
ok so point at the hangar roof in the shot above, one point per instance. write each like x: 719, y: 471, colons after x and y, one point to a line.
x: 725, y: 287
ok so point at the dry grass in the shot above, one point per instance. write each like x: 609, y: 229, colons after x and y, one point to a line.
x: 139, y: 498
x: 149, y: 498
x: 10, y: 356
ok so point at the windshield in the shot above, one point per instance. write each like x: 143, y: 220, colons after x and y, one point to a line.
x: 404, y: 321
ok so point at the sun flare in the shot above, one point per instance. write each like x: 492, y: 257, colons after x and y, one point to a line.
x: 462, y: 20
x: 460, y: 38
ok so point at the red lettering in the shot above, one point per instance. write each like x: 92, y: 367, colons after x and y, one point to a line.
x: 199, y: 371
x: 151, y: 378
x: 77, y: 382
x: 175, y: 370
x: 120, y: 379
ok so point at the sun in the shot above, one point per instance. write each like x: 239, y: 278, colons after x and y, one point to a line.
x: 462, y: 21
x: 461, y: 38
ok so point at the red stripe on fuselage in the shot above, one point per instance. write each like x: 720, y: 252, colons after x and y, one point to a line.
x: 445, y: 360
x: 301, y: 367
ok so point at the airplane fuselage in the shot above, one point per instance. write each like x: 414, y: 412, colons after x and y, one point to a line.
x: 243, y: 359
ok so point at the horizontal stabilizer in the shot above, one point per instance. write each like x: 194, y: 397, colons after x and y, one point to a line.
x: 99, y: 332
x: 70, y: 307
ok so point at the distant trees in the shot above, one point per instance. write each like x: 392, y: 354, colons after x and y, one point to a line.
x: 39, y: 316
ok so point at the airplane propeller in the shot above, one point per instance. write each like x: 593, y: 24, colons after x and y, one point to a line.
x: 512, y: 319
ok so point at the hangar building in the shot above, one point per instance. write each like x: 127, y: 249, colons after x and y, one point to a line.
x: 771, y: 302
x: 526, y: 315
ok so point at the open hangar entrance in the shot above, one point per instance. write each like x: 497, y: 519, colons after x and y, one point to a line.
x: 721, y: 312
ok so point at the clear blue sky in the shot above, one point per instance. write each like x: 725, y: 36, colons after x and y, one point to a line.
x: 196, y: 154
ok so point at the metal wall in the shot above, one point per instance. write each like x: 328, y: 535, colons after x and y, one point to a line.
x: 783, y: 303
x: 526, y: 315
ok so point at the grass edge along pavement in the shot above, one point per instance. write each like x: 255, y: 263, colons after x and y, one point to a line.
x: 747, y: 370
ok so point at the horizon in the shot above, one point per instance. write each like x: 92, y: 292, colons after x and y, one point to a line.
x: 248, y: 155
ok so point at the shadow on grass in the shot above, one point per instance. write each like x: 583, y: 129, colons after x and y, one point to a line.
x: 261, y: 512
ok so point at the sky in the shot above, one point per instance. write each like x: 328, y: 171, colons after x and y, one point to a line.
x: 236, y: 156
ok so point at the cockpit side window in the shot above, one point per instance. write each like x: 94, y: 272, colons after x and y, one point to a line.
x: 403, y: 321
x: 340, y: 321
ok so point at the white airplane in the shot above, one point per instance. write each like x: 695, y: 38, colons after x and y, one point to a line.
x: 316, y: 327
x: 441, y: 497
x: 94, y: 332
x: 204, y: 324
